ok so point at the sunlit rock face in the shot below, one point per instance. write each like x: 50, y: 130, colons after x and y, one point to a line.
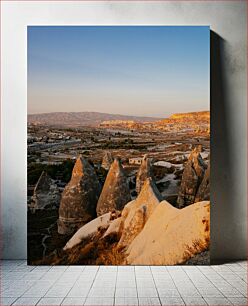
x: 203, y: 192
x: 107, y: 160
x: 115, y: 193
x: 90, y: 229
x: 191, y: 179
x: 79, y: 198
x: 171, y: 235
x: 148, y: 232
x: 144, y: 172
x: 136, y: 213
x: 46, y: 194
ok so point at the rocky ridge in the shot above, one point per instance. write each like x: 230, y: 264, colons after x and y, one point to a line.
x: 81, y: 118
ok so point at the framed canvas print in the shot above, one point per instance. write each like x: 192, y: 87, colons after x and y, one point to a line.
x: 118, y: 145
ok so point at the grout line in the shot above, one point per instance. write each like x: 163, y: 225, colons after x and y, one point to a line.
x: 175, y: 285
x: 211, y: 281
x: 92, y: 284
x: 73, y: 284
x: 227, y: 281
x: 155, y: 286
x: 136, y: 283
x: 185, y: 271
x: 115, y: 284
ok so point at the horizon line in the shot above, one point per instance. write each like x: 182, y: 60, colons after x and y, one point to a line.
x: 154, y: 116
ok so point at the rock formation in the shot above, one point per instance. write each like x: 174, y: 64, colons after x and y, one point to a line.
x: 145, y: 171
x: 136, y: 213
x: 46, y: 194
x: 171, y: 235
x: 107, y: 160
x: 115, y: 194
x: 191, y: 179
x: 79, y: 198
x: 203, y: 192
x: 91, y: 228
x: 126, y: 225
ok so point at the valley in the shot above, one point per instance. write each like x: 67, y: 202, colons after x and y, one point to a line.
x: 173, y: 152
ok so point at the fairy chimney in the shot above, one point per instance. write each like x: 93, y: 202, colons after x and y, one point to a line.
x: 191, y: 179
x: 107, y: 160
x: 46, y: 194
x: 115, y: 193
x: 203, y: 192
x: 144, y: 172
x: 79, y: 198
x: 136, y: 213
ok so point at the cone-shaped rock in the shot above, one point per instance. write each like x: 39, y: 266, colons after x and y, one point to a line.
x: 46, y: 193
x: 191, y: 179
x: 145, y: 171
x: 107, y: 160
x: 115, y: 193
x: 79, y: 198
x: 203, y: 192
x: 136, y: 213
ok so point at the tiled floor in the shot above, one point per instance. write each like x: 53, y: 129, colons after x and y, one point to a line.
x: 140, y: 285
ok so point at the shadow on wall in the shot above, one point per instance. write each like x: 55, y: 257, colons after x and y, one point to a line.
x: 226, y: 239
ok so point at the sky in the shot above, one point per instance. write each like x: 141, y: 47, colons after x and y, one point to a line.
x: 130, y: 70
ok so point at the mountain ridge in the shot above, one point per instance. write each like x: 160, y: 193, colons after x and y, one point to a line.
x: 82, y: 118
x: 95, y: 118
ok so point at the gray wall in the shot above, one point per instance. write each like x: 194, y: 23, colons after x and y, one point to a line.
x: 228, y: 105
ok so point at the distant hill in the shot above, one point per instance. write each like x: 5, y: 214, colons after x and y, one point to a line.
x: 82, y: 118
x: 191, y: 115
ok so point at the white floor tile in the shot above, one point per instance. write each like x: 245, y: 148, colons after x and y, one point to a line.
x: 99, y: 302
x: 75, y: 269
x: 230, y: 291
x: 166, y: 301
x: 50, y: 301
x: 4, y: 301
x: 165, y: 292
x: 58, y: 291
x: 126, y: 283
x: 79, y: 291
x: 149, y: 301
x: 189, y: 292
x: 148, y: 283
x: 147, y: 292
x: 239, y: 301
x: 194, y: 301
x: 123, y: 301
x: 102, y: 292
x: 73, y: 301
x: 38, y: 290
x: 26, y: 301
x: 126, y: 268
x: 126, y: 292
x: 217, y: 301
x: 210, y: 292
